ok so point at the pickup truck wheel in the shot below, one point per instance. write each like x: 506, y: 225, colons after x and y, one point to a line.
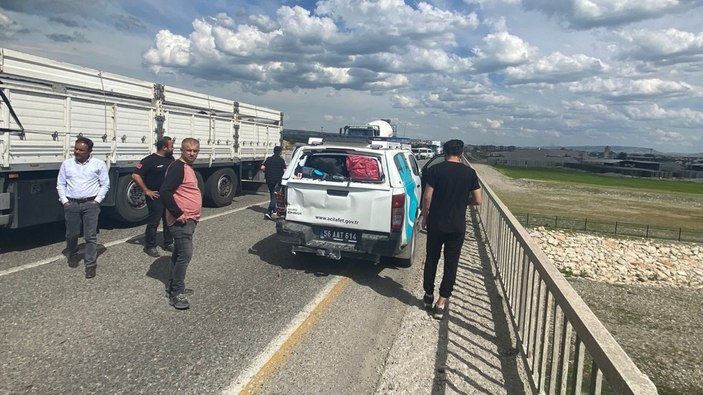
x: 130, y: 202
x: 221, y: 187
x: 408, y: 257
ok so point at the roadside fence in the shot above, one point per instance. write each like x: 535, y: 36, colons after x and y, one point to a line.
x: 616, y: 227
x: 566, y: 348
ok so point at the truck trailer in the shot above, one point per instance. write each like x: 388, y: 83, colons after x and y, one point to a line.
x: 47, y: 104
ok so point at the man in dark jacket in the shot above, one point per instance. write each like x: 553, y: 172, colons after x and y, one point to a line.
x: 183, y: 203
x: 273, y: 168
x: 149, y: 176
x: 451, y: 186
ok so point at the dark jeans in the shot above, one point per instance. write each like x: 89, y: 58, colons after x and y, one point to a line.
x: 272, y: 203
x: 452, y: 250
x: 86, y: 214
x: 182, y: 254
x: 157, y: 214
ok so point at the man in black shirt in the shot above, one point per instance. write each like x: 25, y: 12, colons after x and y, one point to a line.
x: 451, y: 186
x: 149, y: 176
x: 273, y: 168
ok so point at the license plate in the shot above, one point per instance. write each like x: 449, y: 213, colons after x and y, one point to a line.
x: 339, y: 235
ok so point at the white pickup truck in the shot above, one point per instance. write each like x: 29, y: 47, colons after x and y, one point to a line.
x: 355, y: 201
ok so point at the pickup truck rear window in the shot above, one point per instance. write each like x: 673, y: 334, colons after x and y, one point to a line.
x: 340, y: 166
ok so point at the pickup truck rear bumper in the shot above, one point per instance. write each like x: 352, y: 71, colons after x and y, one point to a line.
x: 307, y: 236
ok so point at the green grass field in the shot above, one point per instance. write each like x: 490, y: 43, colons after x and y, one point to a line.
x: 578, y: 177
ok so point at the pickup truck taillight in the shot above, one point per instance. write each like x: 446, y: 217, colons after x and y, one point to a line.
x: 397, y: 212
x: 280, y: 196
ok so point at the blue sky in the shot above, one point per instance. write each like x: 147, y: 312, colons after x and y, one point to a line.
x: 510, y: 72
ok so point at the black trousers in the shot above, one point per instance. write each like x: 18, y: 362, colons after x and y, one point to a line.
x: 452, y: 243
x: 157, y: 214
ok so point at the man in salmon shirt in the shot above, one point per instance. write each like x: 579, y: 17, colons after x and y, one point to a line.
x: 183, y: 202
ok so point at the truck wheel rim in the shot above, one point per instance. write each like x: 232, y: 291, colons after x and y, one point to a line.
x: 224, y: 186
x: 135, y: 196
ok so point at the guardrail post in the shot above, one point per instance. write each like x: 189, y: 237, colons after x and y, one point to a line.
x: 556, y: 221
x: 646, y: 233
x: 616, y: 227
x: 679, y: 234
x: 585, y: 224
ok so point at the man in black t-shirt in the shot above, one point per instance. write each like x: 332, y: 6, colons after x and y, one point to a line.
x: 149, y: 176
x: 273, y: 168
x: 451, y: 186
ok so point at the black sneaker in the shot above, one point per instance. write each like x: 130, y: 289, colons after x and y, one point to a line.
x: 151, y: 251
x: 90, y: 272
x: 168, y: 247
x: 439, y: 311
x: 180, y: 302
x: 268, y: 216
x: 73, y: 260
x: 427, y: 301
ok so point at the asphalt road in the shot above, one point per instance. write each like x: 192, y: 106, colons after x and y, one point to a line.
x: 261, y: 320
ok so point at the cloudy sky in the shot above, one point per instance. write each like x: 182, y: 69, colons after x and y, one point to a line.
x: 510, y: 72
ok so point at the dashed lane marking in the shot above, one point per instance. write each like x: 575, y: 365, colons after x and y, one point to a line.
x: 115, y: 242
x: 278, y: 350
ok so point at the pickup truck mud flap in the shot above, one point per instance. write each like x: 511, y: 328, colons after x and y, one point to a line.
x: 304, y: 238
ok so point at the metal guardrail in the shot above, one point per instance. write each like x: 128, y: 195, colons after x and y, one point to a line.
x: 566, y: 349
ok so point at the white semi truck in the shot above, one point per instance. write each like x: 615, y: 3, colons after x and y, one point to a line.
x: 377, y: 128
x: 45, y: 105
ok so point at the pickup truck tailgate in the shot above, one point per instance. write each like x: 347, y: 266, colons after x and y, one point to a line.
x: 360, y: 206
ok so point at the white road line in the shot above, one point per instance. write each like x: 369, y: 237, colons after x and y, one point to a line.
x: 245, y: 377
x: 114, y: 242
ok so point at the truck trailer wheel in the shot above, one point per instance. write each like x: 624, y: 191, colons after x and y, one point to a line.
x: 130, y: 203
x: 221, y: 187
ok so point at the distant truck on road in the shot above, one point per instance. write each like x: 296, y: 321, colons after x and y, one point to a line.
x: 45, y: 105
x: 377, y: 128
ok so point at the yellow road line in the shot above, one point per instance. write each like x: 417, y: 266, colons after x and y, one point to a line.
x: 279, y: 350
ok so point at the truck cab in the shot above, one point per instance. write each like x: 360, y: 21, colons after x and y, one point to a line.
x: 351, y: 201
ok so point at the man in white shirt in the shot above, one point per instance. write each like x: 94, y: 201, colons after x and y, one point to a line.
x: 82, y: 184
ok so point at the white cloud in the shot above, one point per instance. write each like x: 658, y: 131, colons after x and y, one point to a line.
x: 574, y: 72
x: 402, y: 101
x: 494, y: 123
x: 171, y: 50
x: 684, y: 117
x: 667, y: 136
x: 556, y: 68
x: 665, y: 46
x: 333, y: 46
x: 8, y: 27
x: 501, y: 50
x: 624, y: 89
x: 586, y: 14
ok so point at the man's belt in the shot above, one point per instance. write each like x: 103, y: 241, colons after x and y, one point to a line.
x: 84, y: 200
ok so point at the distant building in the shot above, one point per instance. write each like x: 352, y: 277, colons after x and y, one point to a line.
x: 533, y: 157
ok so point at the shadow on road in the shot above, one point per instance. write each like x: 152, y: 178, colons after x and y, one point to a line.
x: 477, y: 335
x: 24, y: 239
x: 365, y: 273
x: 160, y: 269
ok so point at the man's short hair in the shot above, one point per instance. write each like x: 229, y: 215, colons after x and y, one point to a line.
x: 162, y: 142
x: 84, y: 140
x: 189, y: 140
x: 277, y: 150
x: 453, y: 147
